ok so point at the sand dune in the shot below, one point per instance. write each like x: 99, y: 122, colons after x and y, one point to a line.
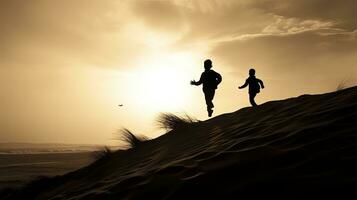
x: 297, y: 148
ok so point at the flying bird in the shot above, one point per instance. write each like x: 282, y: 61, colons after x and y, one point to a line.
x: 120, y: 105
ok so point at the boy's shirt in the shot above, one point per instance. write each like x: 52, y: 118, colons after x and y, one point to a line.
x: 254, y: 84
x: 210, y: 79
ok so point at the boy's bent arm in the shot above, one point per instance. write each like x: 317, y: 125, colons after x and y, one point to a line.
x: 244, y: 85
x: 200, y: 81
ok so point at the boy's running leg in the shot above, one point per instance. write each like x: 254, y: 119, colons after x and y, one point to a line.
x: 251, y: 99
x: 209, y: 94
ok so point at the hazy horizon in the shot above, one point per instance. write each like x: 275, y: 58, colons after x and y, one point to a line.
x: 65, y: 66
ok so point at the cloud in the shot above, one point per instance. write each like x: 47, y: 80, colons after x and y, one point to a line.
x: 285, y: 37
x: 288, y: 26
x: 57, y: 33
x: 342, y: 12
x: 291, y: 38
x: 222, y: 19
x: 295, y: 55
x: 161, y: 15
x: 112, y: 33
x: 284, y: 25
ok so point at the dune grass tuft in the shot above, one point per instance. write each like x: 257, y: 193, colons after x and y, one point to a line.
x: 103, y: 153
x: 342, y: 85
x: 131, y: 140
x: 171, y: 121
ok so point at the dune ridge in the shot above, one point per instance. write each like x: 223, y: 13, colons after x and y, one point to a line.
x: 301, y: 147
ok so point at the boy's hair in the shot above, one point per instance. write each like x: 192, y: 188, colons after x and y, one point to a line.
x: 252, y: 72
x: 207, y: 64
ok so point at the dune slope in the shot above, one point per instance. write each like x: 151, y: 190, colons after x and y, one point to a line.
x: 294, y: 148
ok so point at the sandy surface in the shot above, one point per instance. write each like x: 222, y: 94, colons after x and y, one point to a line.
x: 297, y: 148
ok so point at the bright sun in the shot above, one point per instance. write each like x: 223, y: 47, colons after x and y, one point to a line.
x: 162, y: 84
x: 163, y: 88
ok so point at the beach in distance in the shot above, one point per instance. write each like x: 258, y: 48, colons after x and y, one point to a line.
x: 23, y: 162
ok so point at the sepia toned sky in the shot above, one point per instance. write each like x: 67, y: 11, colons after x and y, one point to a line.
x: 66, y: 65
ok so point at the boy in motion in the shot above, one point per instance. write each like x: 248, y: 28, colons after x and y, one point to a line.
x: 210, y: 80
x: 254, y: 86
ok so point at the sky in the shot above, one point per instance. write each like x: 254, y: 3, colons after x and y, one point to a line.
x: 65, y: 66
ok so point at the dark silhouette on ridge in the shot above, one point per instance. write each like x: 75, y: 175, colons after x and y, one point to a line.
x: 252, y: 154
x: 254, y: 86
x: 210, y: 80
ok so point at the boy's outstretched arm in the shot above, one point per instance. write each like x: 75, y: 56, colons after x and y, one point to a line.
x: 244, y: 85
x: 261, y: 83
x: 193, y: 82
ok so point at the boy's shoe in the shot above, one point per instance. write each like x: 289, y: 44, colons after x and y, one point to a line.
x: 210, y: 113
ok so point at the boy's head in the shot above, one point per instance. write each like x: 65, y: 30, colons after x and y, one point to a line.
x: 252, y: 72
x: 207, y: 64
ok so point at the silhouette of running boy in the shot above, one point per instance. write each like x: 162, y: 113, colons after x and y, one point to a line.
x: 254, y: 86
x: 210, y: 80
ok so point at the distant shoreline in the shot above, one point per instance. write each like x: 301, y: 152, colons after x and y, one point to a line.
x: 45, y: 148
x: 18, y: 169
x: 59, y: 152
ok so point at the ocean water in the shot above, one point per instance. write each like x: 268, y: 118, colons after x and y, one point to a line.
x: 16, y: 169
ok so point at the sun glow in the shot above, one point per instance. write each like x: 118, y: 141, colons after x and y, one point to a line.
x: 162, y: 84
